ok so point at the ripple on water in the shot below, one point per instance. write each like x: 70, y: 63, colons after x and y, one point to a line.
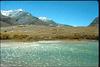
x: 43, y: 54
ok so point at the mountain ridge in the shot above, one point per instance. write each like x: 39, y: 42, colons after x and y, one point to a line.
x: 22, y: 17
x: 95, y: 22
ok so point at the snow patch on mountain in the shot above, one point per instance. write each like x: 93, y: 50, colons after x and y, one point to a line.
x: 44, y: 18
x: 8, y: 12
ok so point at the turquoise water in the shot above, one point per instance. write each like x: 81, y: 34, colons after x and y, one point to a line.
x: 49, y: 54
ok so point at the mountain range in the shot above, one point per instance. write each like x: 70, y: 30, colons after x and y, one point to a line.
x: 21, y: 17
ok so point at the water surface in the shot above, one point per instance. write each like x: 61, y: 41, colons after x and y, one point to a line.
x: 49, y: 54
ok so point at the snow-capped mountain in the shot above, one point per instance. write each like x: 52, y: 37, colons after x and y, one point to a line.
x: 24, y: 17
x: 21, y: 16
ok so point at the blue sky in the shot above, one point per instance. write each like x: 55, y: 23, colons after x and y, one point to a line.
x: 76, y: 13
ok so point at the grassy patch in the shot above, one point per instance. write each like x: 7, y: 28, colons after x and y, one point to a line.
x: 48, y: 33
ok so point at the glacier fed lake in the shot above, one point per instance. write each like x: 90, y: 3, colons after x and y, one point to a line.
x: 49, y: 54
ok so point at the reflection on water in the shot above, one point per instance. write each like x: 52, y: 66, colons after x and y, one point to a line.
x: 49, y: 54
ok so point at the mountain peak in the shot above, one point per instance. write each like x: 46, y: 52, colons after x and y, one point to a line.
x: 95, y: 22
